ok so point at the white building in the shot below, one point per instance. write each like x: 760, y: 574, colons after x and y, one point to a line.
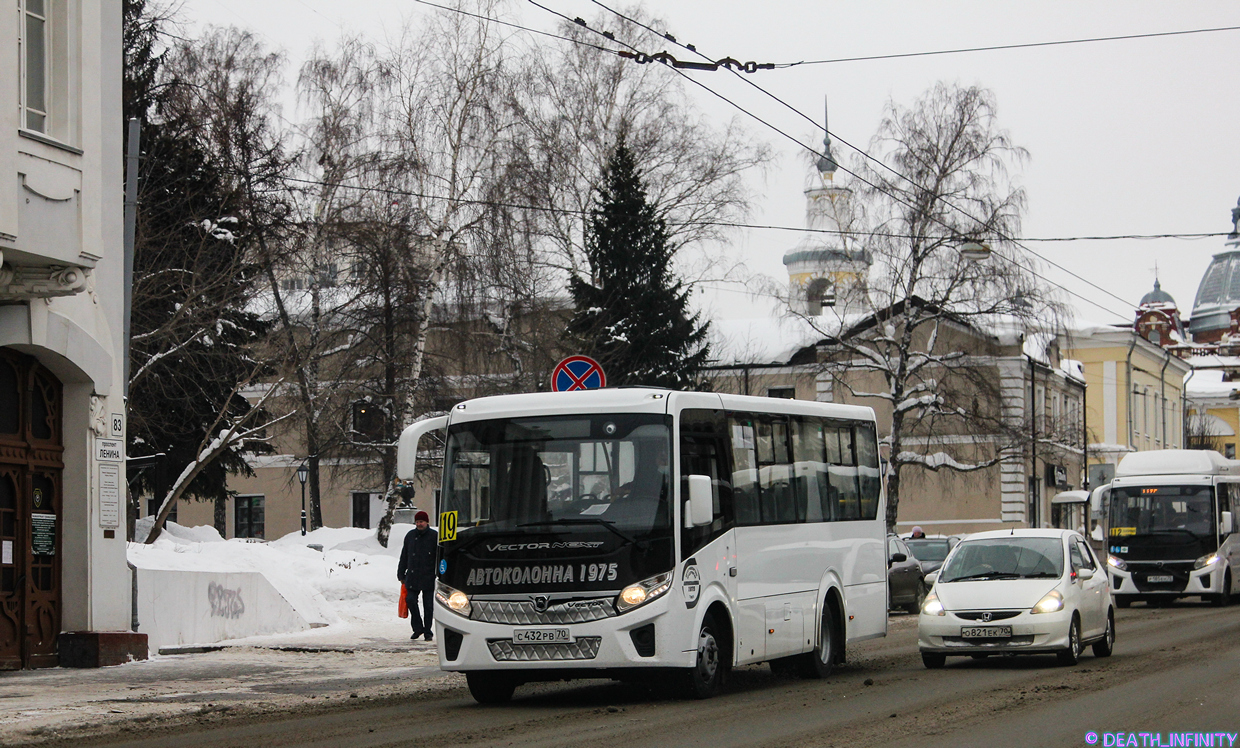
x: 64, y: 582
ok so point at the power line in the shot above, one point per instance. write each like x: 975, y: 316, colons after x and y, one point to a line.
x: 721, y: 224
x: 491, y: 19
x: 996, y: 47
x: 938, y: 198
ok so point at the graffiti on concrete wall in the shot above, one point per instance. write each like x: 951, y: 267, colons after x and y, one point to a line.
x: 225, y: 603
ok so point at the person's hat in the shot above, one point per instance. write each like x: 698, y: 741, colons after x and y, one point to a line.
x: 917, y: 529
x: 423, y: 516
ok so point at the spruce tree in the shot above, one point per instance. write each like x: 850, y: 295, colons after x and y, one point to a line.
x: 633, y: 315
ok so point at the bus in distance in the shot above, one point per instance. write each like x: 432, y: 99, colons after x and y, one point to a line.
x: 639, y: 533
x: 1170, y: 526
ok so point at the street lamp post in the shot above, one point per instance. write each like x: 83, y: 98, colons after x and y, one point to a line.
x: 303, y: 472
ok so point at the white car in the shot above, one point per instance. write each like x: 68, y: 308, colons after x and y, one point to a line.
x: 1018, y: 592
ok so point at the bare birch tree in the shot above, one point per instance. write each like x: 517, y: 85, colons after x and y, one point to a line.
x: 941, y: 179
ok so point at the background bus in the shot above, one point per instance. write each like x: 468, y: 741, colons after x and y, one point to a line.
x: 574, y: 553
x: 1169, y: 526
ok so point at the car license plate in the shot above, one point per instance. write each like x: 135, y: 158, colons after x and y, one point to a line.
x: 1158, y: 578
x: 985, y: 632
x: 540, y: 636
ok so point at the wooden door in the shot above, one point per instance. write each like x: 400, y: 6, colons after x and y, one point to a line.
x: 31, y: 524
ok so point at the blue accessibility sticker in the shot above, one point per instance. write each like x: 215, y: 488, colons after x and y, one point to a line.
x: 443, y: 565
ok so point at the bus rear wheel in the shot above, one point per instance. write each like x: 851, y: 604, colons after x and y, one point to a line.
x: 705, y: 678
x: 817, y: 664
x: 491, y: 687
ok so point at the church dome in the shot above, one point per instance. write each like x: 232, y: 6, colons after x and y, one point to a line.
x: 1157, y: 297
x: 1218, y: 294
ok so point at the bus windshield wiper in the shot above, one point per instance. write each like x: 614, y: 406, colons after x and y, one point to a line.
x: 986, y: 575
x: 588, y: 521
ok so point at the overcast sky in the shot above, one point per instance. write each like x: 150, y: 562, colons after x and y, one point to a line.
x: 1126, y: 137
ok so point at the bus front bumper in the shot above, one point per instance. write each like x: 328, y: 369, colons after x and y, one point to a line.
x: 596, y: 645
x: 1133, y: 582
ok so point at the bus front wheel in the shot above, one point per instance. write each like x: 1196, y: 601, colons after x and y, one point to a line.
x: 705, y: 678
x: 490, y: 687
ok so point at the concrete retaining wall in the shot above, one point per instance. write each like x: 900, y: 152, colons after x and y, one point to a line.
x: 195, y: 607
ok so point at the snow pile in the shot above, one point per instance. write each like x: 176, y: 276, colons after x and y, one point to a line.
x: 350, y: 585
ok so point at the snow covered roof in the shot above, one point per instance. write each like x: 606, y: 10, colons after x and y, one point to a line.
x: 761, y: 340
x: 1208, y: 383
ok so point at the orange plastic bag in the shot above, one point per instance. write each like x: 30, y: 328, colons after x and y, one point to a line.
x: 402, y: 608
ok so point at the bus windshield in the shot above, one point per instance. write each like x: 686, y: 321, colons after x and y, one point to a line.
x: 589, y: 473
x: 1154, y: 510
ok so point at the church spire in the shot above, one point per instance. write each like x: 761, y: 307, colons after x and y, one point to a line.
x: 826, y: 162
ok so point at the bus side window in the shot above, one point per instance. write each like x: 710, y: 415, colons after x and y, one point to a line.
x: 812, y: 484
x: 745, y: 469
x: 843, y: 470
x: 868, y: 470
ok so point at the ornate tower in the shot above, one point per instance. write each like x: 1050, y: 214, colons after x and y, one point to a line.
x: 825, y: 272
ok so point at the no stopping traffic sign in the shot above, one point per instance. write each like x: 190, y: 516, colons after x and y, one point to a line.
x: 578, y: 373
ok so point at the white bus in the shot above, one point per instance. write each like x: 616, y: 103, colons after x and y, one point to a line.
x: 1169, y: 526
x: 566, y: 551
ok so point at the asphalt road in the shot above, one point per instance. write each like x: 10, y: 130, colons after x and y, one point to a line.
x: 1174, y: 669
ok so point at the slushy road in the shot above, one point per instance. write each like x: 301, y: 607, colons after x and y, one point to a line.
x: 1175, y: 669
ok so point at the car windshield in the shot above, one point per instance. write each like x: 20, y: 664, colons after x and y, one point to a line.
x: 1005, y: 558
x: 928, y: 550
x: 1153, y: 510
x: 579, y: 472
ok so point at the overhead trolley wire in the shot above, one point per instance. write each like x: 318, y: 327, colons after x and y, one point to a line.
x: 996, y: 47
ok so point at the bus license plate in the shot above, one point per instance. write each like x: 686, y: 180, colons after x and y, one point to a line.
x: 985, y: 632
x: 1159, y: 578
x: 540, y: 636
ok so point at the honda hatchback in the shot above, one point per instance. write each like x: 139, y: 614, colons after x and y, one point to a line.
x: 1018, y: 592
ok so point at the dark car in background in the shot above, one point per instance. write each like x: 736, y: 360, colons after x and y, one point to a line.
x: 929, y: 551
x: 906, y: 582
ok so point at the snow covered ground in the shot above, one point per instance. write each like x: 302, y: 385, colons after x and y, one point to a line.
x: 351, y: 584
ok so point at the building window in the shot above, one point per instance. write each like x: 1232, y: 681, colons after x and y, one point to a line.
x: 1229, y: 450
x: 248, y: 519
x: 368, y: 421
x: 785, y: 393
x: 152, y: 509
x: 32, y: 53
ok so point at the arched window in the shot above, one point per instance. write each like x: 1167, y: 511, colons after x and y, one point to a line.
x: 821, y: 294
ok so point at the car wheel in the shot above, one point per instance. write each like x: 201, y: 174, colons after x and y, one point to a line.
x: 491, y: 688
x: 1123, y: 602
x: 817, y: 664
x: 1072, y: 654
x: 933, y: 660
x: 914, y: 607
x: 704, y: 679
x: 1103, y: 647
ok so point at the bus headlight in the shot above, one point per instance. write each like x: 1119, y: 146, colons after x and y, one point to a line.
x: 1117, y: 563
x: 932, y: 606
x: 1051, y: 602
x: 454, y: 600
x: 1207, y: 560
x: 643, y: 592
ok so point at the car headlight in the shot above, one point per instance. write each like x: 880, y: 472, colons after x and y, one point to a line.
x: 1206, y: 560
x: 643, y: 592
x: 1117, y: 563
x: 932, y: 606
x: 1051, y: 602
x: 454, y: 600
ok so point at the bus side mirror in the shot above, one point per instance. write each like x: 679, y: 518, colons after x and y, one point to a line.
x: 700, y: 508
x: 1225, y: 525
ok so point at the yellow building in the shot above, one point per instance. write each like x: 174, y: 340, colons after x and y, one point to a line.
x: 1134, y: 397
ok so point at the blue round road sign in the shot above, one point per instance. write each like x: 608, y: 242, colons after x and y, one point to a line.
x: 578, y: 373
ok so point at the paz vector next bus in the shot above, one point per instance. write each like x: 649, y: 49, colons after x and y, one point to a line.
x: 636, y: 533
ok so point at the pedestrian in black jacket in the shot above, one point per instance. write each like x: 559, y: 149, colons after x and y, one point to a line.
x: 416, y: 571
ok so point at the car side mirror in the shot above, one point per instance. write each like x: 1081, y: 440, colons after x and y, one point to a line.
x: 700, y: 508
x: 1225, y: 526
x: 898, y: 558
x: 931, y: 578
x: 1084, y: 574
